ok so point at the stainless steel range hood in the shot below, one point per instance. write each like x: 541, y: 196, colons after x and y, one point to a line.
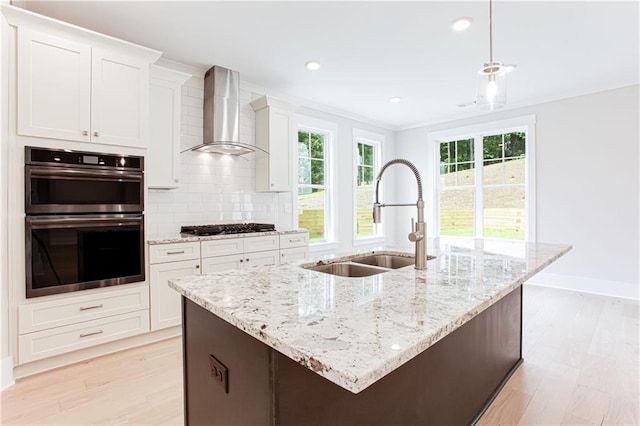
x: 222, y: 113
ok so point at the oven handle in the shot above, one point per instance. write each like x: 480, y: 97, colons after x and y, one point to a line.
x: 56, y: 172
x: 74, y: 221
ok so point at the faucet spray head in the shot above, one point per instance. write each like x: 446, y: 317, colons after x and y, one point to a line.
x: 377, y: 213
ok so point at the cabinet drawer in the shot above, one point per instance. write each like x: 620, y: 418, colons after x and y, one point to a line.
x: 224, y: 247
x: 56, y: 341
x: 75, y: 309
x: 253, y: 244
x: 295, y: 253
x: 294, y: 240
x: 160, y: 253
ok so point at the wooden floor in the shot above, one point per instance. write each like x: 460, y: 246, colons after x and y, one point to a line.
x: 581, y: 367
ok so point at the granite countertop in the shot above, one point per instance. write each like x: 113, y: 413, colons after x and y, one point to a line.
x: 354, y: 331
x: 176, y: 237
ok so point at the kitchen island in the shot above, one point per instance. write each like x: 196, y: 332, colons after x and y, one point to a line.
x: 285, y: 345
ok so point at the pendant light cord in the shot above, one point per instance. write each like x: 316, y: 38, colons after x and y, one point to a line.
x: 491, y: 34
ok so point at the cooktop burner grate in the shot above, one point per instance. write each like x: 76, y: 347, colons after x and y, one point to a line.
x: 227, y: 228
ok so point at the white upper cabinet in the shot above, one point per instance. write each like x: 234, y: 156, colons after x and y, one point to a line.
x: 78, y: 85
x: 163, y: 154
x: 274, y: 133
x: 119, y: 99
x: 54, y: 87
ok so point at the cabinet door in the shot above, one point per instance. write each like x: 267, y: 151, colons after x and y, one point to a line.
x: 222, y: 263
x: 296, y: 253
x: 163, y: 165
x: 261, y: 258
x: 119, y: 99
x: 279, y: 149
x: 54, y: 87
x: 165, y: 301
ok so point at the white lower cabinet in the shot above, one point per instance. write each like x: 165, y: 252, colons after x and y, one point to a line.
x: 60, y: 340
x: 296, y: 253
x: 54, y: 327
x: 169, y: 261
x: 261, y: 258
x: 222, y: 263
x: 165, y: 301
x: 173, y: 260
x: 294, y: 246
x: 77, y: 309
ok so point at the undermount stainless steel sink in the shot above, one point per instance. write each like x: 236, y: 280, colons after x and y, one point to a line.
x: 364, y: 266
x: 386, y: 261
x: 347, y: 269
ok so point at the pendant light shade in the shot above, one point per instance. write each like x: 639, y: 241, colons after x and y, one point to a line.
x: 492, y: 77
x: 492, y: 87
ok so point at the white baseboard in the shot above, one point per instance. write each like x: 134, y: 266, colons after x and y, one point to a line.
x: 6, y: 373
x: 587, y: 285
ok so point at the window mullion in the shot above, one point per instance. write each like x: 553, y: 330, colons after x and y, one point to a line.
x: 478, y: 149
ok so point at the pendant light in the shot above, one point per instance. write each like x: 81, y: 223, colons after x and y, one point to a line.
x: 492, y: 77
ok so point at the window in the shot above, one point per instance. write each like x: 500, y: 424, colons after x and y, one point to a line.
x: 314, y: 201
x: 485, y: 182
x: 367, y: 165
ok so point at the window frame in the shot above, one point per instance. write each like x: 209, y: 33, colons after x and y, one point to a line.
x: 329, y: 130
x: 517, y: 124
x: 375, y: 140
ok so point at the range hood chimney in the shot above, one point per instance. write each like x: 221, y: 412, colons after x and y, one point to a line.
x: 222, y: 113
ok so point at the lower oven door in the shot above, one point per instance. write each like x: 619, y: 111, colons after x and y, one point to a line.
x: 71, y: 253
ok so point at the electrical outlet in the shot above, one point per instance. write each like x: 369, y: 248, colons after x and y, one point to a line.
x: 219, y: 373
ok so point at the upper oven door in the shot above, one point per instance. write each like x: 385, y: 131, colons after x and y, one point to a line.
x: 76, y: 190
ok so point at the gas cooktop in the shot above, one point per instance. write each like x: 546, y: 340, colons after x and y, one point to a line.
x: 227, y: 228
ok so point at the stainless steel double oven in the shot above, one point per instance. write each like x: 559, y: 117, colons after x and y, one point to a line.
x: 84, y: 220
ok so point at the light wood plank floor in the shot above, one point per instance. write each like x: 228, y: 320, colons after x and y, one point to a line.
x: 581, y: 367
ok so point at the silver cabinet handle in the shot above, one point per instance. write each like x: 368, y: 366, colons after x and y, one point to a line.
x: 295, y: 241
x: 86, y: 308
x: 176, y: 252
x: 91, y: 334
x: 85, y: 133
x: 96, y: 134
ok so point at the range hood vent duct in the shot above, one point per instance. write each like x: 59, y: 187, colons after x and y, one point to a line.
x: 222, y: 114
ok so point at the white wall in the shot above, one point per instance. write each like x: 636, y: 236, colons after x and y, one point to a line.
x: 587, y: 185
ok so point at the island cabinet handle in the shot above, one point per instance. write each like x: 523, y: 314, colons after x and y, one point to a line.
x: 176, y: 252
x: 86, y: 308
x: 247, y: 259
x: 93, y: 333
x: 297, y: 240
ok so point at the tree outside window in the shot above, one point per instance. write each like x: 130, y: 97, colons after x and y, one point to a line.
x: 487, y: 201
x: 312, y: 183
x: 366, y: 172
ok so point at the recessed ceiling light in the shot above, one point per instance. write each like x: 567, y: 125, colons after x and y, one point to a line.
x: 395, y: 99
x: 461, y: 24
x: 312, y: 65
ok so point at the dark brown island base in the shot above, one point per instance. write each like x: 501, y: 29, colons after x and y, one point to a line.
x: 231, y: 378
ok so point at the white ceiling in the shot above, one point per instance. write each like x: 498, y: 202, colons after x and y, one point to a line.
x: 371, y: 51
